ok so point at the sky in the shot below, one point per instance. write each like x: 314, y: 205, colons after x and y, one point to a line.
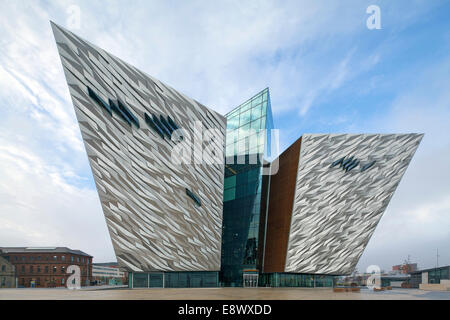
x: 326, y: 70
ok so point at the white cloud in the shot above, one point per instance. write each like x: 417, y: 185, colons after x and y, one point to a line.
x: 417, y: 221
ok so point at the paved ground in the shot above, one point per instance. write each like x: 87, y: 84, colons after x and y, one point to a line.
x: 219, y: 293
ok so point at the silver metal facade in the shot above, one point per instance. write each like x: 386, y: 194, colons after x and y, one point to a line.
x: 153, y: 224
x: 336, y: 211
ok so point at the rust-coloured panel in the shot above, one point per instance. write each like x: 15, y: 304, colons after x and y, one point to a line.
x: 281, y: 198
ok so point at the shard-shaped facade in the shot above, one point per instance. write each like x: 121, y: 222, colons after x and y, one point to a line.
x: 162, y: 217
x: 326, y: 200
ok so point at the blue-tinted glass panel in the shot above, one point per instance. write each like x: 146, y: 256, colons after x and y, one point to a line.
x: 229, y: 194
x: 256, y: 125
x: 256, y: 112
x: 257, y: 100
x: 230, y: 182
x: 233, y: 123
x: 245, y: 117
x: 140, y: 280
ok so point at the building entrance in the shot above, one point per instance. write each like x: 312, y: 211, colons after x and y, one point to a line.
x: 250, y: 280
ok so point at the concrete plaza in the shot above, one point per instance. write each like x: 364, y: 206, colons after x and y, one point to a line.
x: 218, y: 294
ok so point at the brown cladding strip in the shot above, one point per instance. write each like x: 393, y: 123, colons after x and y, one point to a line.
x: 281, y: 199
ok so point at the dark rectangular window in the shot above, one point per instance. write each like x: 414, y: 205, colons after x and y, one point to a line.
x: 166, y: 124
x: 116, y: 109
x: 128, y: 113
x: 152, y: 125
x: 172, y: 123
x: 99, y: 100
x: 160, y: 125
x: 194, y: 197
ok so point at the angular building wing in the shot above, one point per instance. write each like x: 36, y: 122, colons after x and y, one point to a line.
x: 161, y: 216
x: 336, y: 188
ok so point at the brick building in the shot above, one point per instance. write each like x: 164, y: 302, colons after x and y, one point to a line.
x: 405, y: 268
x: 47, y: 267
x: 7, y: 274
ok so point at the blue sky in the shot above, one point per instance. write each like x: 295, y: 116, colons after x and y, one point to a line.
x: 327, y: 72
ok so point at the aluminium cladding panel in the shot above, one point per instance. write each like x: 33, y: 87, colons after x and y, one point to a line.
x: 154, y: 225
x: 335, y: 212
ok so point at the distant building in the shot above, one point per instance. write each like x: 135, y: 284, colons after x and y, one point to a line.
x: 7, y: 274
x: 405, y: 268
x: 108, y: 273
x: 46, y: 267
x: 430, y: 276
x: 399, y: 280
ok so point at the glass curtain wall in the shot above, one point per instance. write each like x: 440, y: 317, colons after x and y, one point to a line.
x: 246, y: 144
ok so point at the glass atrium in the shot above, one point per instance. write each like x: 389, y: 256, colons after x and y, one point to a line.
x: 247, y: 145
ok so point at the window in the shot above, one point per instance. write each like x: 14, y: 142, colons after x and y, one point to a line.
x: 55, y: 258
x: 158, y: 123
x: 38, y: 258
x: 128, y: 113
x: 71, y: 258
x: 63, y: 258
x: 230, y: 182
x: 229, y: 194
x: 256, y: 112
x: 31, y: 258
x: 31, y: 269
x: 39, y: 269
x: 78, y: 259
x: 245, y: 117
x: 3, y: 268
x: 153, y: 125
x: 99, y: 100
x: 63, y: 281
x: 82, y: 260
x: 23, y: 269
x: 54, y: 269
x: 46, y: 269
x: 63, y: 270
x: 194, y: 197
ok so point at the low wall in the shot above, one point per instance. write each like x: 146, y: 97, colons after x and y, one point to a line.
x: 443, y: 286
